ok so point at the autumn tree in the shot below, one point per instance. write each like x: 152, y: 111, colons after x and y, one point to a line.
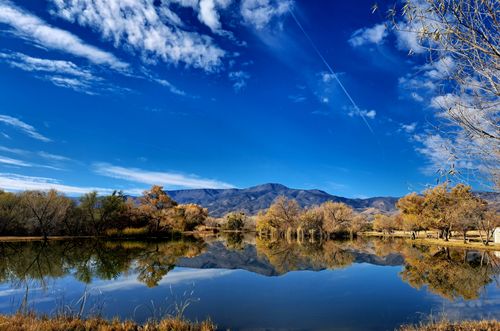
x: 282, y: 215
x: 155, y: 205
x: 311, y: 220
x: 411, y: 208
x: 186, y: 217
x: 438, y: 210
x: 235, y: 221
x: 384, y: 223
x: 336, y: 217
x: 358, y: 223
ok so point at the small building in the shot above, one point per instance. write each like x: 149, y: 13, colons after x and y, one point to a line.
x: 496, y: 235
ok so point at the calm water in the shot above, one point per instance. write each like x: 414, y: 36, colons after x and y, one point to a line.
x: 247, y: 283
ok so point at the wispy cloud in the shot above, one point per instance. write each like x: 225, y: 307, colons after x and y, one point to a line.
x: 239, y: 79
x: 14, y: 162
x: 61, y: 73
x: 157, y: 178
x: 14, y: 150
x: 24, y: 127
x: 16, y: 182
x: 374, y: 35
x: 32, y: 28
x: 53, y: 157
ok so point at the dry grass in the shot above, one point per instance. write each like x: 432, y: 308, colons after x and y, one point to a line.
x: 454, y: 326
x: 32, y: 322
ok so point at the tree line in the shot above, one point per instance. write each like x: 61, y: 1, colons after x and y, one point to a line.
x: 50, y: 213
x: 285, y: 218
x: 444, y: 209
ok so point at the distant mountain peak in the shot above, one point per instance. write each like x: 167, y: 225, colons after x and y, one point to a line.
x: 268, y: 187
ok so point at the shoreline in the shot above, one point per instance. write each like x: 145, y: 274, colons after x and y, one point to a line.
x: 420, y: 240
x: 433, y: 241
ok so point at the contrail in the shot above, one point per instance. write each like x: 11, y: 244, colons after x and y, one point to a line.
x: 331, y: 70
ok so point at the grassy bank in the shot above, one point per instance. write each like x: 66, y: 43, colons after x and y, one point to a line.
x: 33, y: 323
x: 453, y: 242
x: 454, y: 326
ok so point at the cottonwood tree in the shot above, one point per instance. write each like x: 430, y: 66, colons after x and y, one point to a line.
x: 411, y: 208
x: 336, y: 216
x: 464, y: 35
x: 155, y: 205
x: 282, y: 215
x: 384, y: 223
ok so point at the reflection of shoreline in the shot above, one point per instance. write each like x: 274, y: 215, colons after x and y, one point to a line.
x: 448, y: 272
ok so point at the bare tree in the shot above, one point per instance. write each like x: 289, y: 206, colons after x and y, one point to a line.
x: 47, y: 209
x: 464, y: 35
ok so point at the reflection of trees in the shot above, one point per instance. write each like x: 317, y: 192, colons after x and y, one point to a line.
x: 158, y: 259
x: 449, y: 272
x: 293, y: 255
x: 234, y: 240
x: 39, y: 261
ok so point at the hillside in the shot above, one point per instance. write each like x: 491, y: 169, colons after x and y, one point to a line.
x: 253, y: 199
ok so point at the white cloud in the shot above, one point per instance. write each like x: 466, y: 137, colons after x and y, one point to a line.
x: 259, y: 13
x: 326, y: 77
x: 437, y: 151
x: 409, y: 128
x: 33, y: 28
x: 26, y: 128
x: 153, y: 31
x: 14, y: 162
x: 16, y: 182
x: 157, y: 178
x: 373, y: 35
x: 53, y: 157
x: 362, y: 112
x: 28, y: 63
x: 239, y: 79
x: 208, y: 12
x: 14, y: 150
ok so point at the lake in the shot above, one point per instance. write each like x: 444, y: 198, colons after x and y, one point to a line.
x: 245, y: 283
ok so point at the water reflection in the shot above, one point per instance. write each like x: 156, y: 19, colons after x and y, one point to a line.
x: 450, y: 273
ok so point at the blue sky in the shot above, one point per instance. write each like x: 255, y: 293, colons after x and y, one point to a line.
x: 212, y: 93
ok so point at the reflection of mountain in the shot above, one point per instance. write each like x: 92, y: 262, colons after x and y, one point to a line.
x: 450, y: 273
x: 219, y: 257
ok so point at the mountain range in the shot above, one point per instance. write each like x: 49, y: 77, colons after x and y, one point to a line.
x: 253, y: 199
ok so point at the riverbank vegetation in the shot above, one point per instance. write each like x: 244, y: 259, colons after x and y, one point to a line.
x: 445, y: 211
x: 32, y: 322
x: 483, y: 325
x: 39, y: 213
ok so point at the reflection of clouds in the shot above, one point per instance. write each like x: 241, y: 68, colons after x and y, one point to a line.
x: 176, y: 276
x: 484, y: 307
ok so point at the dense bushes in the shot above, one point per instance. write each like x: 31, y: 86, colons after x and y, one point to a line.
x: 51, y: 213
